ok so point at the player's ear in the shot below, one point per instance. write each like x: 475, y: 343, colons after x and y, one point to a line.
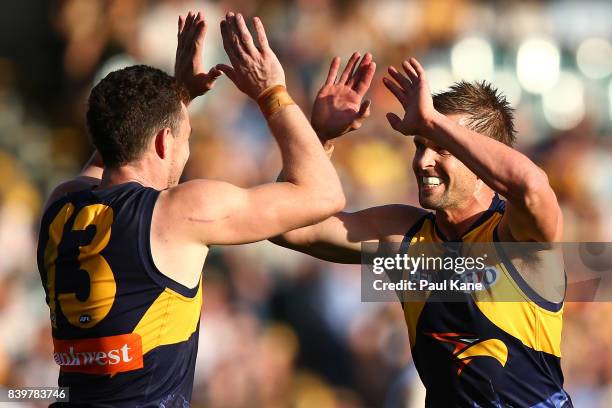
x: 163, y: 142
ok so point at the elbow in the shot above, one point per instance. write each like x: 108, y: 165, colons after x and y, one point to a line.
x: 540, y: 201
x: 536, y: 188
x: 337, y: 202
x: 328, y: 203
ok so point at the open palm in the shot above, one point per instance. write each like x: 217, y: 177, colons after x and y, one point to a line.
x: 338, y: 107
x: 412, y: 91
x: 189, y: 68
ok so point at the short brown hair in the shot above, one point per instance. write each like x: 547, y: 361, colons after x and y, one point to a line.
x: 489, y: 111
x: 128, y: 107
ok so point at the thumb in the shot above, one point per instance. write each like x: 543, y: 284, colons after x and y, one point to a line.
x: 394, y: 121
x: 214, y: 73
x: 227, y: 70
x: 364, y: 109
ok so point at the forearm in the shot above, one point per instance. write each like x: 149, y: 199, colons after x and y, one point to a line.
x: 327, y: 240
x: 305, y: 162
x: 502, y: 168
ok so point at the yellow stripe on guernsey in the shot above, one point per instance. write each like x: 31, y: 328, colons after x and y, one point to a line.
x: 414, y: 307
x: 171, y: 319
x: 56, y: 229
x: 536, y: 327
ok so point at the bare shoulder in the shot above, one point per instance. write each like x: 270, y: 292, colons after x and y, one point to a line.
x: 197, y: 196
x: 190, y: 207
x: 77, y: 184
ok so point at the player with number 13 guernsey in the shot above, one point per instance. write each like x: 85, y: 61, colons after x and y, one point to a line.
x: 122, y: 246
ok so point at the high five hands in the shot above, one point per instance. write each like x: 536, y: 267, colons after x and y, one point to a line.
x: 339, y: 107
x: 254, y: 68
x: 188, y: 67
x: 412, y: 91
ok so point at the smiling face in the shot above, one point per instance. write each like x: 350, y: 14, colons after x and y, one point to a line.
x: 444, y: 182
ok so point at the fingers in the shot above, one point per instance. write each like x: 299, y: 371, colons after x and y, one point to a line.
x: 399, y: 78
x: 188, y: 29
x: 333, y: 71
x: 181, y: 25
x: 234, y: 37
x: 410, y: 71
x: 200, y: 33
x: 418, y: 68
x: 237, y: 40
x: 394, y: 121
x: 362, y: 83
x: 189, y: 25
x: 364, y: 109
x: 214, y: 73
x: 207, y: 81
x: 182, y: 28
x: 262, y: 39
x: 348, y: 70
x: 365, y: 61
x: 229, y: 45
x: 244, y: 35
x: 396, y: 91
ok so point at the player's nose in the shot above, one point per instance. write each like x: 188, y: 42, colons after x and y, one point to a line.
x: 424, y: 158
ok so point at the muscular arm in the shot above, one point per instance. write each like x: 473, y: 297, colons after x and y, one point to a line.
x: 213, y: 213
x: 216, y: 213
x: 533, y: 213
x: 338, y: 109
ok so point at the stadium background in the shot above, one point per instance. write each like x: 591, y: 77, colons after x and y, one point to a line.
x: 279, y: 328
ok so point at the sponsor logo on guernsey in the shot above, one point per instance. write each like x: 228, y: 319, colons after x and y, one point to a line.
x: 102, y: 355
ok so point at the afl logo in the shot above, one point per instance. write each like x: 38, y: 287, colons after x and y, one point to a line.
x: 85, y: 318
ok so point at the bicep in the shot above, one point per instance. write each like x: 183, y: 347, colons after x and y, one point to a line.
x: 219, y: 213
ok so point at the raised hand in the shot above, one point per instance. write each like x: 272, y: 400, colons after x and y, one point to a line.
x: 338, y: 107
x: 188, y: 68
x: 412, y: 91
x: 254, y: 69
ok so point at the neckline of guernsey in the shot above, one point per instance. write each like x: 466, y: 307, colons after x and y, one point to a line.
x: 493, y: 207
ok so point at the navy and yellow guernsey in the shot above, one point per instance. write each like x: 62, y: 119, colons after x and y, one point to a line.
x: 124, y: 334
x: 478, y: 352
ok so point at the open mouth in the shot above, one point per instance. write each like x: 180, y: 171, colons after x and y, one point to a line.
x: 430, y: 182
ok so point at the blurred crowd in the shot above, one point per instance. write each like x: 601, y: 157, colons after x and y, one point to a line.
x: 279, y: 328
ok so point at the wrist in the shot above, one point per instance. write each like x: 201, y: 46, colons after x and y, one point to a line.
x: 273, y: 99
x: 431, y: 122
